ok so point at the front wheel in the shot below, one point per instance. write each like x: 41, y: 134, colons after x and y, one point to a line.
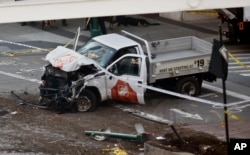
x: 189, y: 86
x: 86, y: 101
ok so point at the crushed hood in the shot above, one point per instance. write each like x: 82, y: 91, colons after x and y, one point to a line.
x: 66, y: 59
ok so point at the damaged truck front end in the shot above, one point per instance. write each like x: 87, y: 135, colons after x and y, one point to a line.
x: 64, y: 80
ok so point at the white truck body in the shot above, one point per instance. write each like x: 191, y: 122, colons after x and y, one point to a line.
x: 126, y: 62
x: 175, y: 57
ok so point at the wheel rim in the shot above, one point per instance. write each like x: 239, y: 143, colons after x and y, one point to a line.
x: 188, y: 89
x: 83, y: 104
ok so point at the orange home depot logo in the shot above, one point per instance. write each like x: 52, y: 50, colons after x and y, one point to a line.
x: 123, y: 92
x: 64, y: 60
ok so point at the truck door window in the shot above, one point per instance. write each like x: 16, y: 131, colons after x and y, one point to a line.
x: 128, y: 50
x: 131, y: 50
x: 127, y: 66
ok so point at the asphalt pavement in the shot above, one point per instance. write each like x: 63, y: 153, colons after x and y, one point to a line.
x: 15, y: 38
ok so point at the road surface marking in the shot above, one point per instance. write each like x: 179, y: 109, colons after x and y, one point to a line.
x: 30, y: 70
x: 231, y: 93
x: 211, y: 95
x: 11, y: 62
x: 245, y: 74
x: 242, y: 54
x: 239, y: 71
x: 145, y: 115
x: 19, y: 77
x: 235, y: 63
x: 188, y: 115
x: 235, y: 67
x: 241, y: 58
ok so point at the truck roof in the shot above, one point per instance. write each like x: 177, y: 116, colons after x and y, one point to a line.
x: 115, y: 41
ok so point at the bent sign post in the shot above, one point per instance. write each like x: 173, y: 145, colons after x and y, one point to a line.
x: 219, y: 67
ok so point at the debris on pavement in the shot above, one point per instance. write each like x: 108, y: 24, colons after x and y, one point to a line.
x: 115, y: 151
x: 22, y: 101
x: 140, y: 137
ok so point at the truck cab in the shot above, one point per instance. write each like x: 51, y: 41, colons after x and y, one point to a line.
x: 124, y: 67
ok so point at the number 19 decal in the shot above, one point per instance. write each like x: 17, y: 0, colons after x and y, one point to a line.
x: 199, y: 62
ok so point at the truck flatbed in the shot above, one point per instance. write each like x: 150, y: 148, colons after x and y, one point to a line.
x: 174, y: 56
x: 178, y: 57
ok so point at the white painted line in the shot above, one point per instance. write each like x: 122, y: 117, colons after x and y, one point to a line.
x: 239, y: 71
x: 145, y: 115
x: 208, y: 95
x: 19, y: 76
x: 231, y: 93
x: 245, y: 74
x: 236, y: 67
x: 238, y: 108
x: 24, y: 45
x: 188, y: 115
x: 242, y: 55
x: 235, y: 63
x: 241, y: 58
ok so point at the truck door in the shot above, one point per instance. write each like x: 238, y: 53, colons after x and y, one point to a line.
x: 125, y: 78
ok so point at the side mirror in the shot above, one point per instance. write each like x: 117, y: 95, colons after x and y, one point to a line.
x: 100, y: 74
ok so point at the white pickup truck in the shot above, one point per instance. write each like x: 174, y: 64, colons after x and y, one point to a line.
x: 116, y: 67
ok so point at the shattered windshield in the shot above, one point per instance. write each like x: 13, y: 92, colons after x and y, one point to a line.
x: 98, y: 52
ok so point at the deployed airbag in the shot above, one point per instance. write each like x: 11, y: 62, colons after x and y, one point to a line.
x: 66, y: 59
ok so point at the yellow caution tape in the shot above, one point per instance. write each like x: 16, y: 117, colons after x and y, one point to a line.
x: 235, y: 117
x: 116, y: 151
x: 11, y: 54
x: 222, y: 123
x: 8, y: 54
x: 231, y: 115
x: 204, y: 12
x: 238, y: 61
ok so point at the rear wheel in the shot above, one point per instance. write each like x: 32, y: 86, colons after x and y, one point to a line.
x: 189, y: 86
x: 86, y: 101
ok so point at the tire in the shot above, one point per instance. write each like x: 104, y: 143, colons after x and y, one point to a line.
x: 86, y: 102
x: 189, y: 86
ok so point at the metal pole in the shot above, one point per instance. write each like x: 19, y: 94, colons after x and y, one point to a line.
x: 95, y: 31
x: 224, y: 95
x: 225, y: 111
x: 220, y: 32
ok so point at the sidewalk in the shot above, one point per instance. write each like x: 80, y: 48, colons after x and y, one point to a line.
x: 35, y: 36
